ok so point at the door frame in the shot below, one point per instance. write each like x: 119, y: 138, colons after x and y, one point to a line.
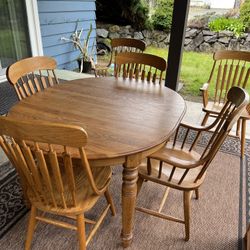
x: 34, y: 31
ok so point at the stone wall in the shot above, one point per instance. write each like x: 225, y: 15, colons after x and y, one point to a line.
x: 195, y: 40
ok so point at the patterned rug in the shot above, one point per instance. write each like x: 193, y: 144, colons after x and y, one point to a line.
x: 12, y: 208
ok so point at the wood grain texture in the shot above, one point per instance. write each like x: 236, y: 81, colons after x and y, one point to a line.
x: 52, y: 182
x: 126, y: 121
x: 121, y: 117
x: 179, y: 166
x: 119, y: 45
x: 230, y: 68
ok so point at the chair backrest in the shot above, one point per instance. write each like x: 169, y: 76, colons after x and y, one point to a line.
x: 32, y: 75
x: 42, y: 154
x: 237, y: 99
x: 230, y: 68
x: 119, y: 45
x: 140, y: 66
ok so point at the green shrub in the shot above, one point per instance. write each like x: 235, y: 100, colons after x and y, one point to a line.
x: 245, y: 13
x: 162, y: 18
x: 231, y: 24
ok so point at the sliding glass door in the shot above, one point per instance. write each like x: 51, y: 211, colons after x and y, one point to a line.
x: 14, y: 33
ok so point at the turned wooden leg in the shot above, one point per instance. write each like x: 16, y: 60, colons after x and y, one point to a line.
x: 31, y: 227
x: 186, y: 201
x: 238, y: 128
x: 129, y: 191
x: 204, y: 121
x: 243, y: 136
x: 110, y: 201
x: 81, y: 231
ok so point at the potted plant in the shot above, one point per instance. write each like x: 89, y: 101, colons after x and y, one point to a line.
x: 85, y: 59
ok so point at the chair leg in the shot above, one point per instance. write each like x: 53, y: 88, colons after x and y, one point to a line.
x: 243, y: 135
x: 197, y: 194
x: 81, y: 231
x: 238, y: 128
x: 31, y: 227
x: 110, y: 201
x: 204, y: 121
x: 139, y: 184
x: 186, y: 202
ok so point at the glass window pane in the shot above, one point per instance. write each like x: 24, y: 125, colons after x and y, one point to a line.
x: 14, y: 34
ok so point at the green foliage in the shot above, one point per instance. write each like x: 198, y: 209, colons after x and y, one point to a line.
x: 162, y: 18
x: 134, y: 12
x: 245, y: 13
x: 231, y: 24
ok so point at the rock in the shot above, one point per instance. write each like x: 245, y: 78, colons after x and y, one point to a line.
x: 187, y: 41
x: 159, y: 36
x: 245, y: 47
x: 210, y: 39
x: 138, y: 35
x: 190, y: 47
x: 248, y: 38
x: 162, y: 45
x: 205, y: 47
x: 234, y: 44
x: 198, y: 40
x: 244, y: 35
x: 114, y: 28
x: 147, y: 33
x: 102, y: 33
x: 125, y: 36
x: 224, y: 40
x: 188, y: 29
x: 167, y: 39
x: 191, y: 33
x: 226, y: 33
x: 148, y: 41
x: 218, y: 46
x: 125, y: 29
x: 113, y: 35
x: 208, y: 33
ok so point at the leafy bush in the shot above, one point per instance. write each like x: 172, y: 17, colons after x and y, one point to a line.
x: 162, y: 18
x: 245, y: 13
x: 122, y: 12
x: 234, y: 25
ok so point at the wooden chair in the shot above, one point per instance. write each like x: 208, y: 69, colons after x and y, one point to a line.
x: 142, y: 66
x: 119, y: 45
x: 181, y: 167
x: 32, y: 75
x: 230, y: 68
x: 43, y: 156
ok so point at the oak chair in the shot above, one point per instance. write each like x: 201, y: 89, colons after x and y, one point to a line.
x: 32, y: 75
x: 119, y: 45
x: 181, y: 167
x: 230, y: 68
x: 42, y: 154
x: 146, y: 67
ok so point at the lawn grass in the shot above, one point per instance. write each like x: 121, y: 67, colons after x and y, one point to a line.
x: 195, y: 69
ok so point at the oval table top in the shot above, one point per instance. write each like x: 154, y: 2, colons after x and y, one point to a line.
x: 121, y: 117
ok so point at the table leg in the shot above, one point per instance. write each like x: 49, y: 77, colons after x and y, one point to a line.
x: 129, y: 190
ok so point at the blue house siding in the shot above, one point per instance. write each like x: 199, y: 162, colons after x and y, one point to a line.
x: 59, y: 19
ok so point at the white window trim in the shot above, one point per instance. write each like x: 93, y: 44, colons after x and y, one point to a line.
x: 34, y: 31
x: 34, y: 28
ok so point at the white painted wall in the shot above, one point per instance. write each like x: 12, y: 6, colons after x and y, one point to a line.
x: 222, y: 4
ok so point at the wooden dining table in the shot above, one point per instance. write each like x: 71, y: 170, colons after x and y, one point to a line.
x: 126, y: 121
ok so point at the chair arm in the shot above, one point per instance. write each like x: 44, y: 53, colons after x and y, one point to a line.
x: 198, y: 128
x: 204, y: 90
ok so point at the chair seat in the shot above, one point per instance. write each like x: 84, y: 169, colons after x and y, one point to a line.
x: 215, y: 108
x: 174, y: 157
x: 85, y: 196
